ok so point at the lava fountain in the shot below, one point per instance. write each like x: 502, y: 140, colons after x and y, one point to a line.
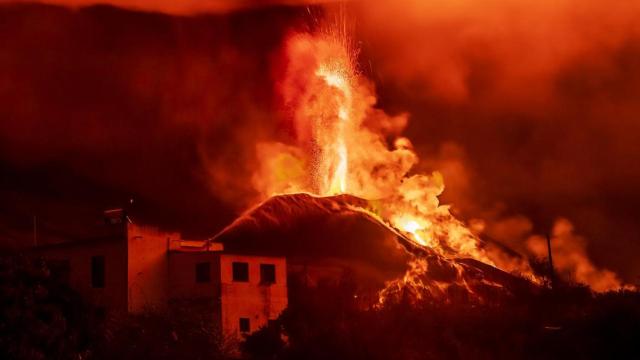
x: 337, y: 181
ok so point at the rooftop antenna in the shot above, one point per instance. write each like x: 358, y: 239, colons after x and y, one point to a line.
x: 550, y: 257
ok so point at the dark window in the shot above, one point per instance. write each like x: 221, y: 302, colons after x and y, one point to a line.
x: 245, y: 325
x: 203, y: 272
x: 267, y: 274
x: 60, y: 270
x: 97, y: 271
x: 240, y: 271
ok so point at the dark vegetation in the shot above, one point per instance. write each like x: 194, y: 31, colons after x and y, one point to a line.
x: 41, y: 318
x: 328, y: 322
x: 181, y: 334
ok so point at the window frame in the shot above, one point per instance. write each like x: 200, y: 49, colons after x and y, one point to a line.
x: 240, y: 268
x: 263, y: 271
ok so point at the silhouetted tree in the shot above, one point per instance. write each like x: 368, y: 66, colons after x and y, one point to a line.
x: 569, y: 322
x: 40, y: 317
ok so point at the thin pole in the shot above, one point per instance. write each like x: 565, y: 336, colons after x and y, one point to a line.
x: 550, y: 257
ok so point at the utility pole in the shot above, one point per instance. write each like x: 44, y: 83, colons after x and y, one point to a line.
x: 551, y: 272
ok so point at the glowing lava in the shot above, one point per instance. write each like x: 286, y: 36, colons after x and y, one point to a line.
x: 412, y: 227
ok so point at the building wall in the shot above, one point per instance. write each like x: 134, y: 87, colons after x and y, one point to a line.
x: 187, y: 294
x: 148, y: 268
x: 182, y: 276
x: 252, y: 300
x: 142, y: 273
x: 113, y: 295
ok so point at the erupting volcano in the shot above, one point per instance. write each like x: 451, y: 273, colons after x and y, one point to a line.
x: 297, y: 179
x: 340, y: 146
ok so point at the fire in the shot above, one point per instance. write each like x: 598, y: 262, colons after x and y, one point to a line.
x: 411, y: 226
x: 340, y: 146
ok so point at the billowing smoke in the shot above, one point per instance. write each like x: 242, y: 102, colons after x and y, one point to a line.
x: 457, y: 51
x: 538, y: 101
x: 570, y: 258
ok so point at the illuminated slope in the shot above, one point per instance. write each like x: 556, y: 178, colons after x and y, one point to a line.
x: 339, y: 228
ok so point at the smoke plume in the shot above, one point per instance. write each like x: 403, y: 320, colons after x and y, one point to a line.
x: 570, y: 258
